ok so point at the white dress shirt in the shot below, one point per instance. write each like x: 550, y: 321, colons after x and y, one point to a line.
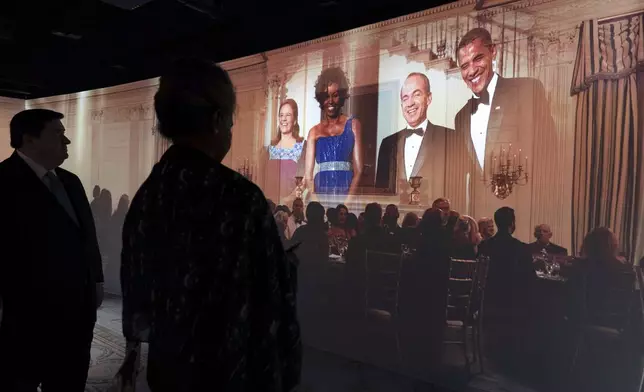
x: 291, y: 226
x: 36, y: 167
x: 412, y: 146
x: 479, y: 122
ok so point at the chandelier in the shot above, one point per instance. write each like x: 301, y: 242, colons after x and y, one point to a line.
x: 506, y: 172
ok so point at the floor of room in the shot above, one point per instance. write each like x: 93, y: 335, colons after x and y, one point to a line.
x: 322, y: 372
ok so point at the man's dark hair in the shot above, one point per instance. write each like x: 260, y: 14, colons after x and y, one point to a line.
x: 342, y: 206
x: 372, y: 215
x: 194, y: 96
x: 392, y: 208
x: 440, y: 200
x: 473, y: 35
x: 504, y: 218
x: 431, y: 223
x: 327, y: 77
x: 30, y: 122
x: 315, y: 213
x: 422, y: 76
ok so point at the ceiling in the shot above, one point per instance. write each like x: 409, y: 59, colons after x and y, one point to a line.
x: 57, y: 47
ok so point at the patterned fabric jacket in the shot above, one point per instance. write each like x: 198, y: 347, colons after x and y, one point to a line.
x: 205, y: 278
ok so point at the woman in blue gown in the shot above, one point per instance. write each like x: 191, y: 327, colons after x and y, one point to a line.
x: 335, y: 143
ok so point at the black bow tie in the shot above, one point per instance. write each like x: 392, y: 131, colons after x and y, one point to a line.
x: 418, y: 131
x: 483, y: 98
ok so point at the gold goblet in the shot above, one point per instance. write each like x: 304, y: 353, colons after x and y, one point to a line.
x: 298, y: 187
x: 414, y: 196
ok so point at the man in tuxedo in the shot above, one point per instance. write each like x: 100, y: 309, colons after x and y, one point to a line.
x: 543, y: 234
x: 501, y: 111
x: 296, y: 219
x: 417, y: 150
x: 51, y: 278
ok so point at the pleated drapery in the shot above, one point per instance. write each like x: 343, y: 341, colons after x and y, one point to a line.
x: 608, y: 181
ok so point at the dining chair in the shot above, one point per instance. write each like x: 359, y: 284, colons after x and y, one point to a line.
x: 382, y: 292
x: 462, y: 293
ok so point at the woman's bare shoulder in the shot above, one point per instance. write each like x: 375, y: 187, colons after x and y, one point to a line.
x: 314, y: 133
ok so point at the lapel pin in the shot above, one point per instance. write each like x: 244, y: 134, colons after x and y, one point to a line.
x: 497, y: 108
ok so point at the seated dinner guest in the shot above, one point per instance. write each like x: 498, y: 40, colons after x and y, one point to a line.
x: 543, y: 234
x: 205, y: 278
x: 335, y: 144
x: 486, y: 228
x: 466, y: 239
x: 605, y: 297
x: 390, y: 219
x: 296, y: 219
x: 444, y: 206
x: 281, y: 220
x: 338, y: 218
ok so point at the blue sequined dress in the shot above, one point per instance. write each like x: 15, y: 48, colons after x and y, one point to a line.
x: 334, y: 156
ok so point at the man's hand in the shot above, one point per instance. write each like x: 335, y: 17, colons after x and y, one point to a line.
x: 99, y: 295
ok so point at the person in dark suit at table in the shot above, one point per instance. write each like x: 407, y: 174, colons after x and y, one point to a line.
x: 543, y: 234
x: 510, y: 282
x: 417, y: 150
x: 500, y: 111
x: 49, y: 246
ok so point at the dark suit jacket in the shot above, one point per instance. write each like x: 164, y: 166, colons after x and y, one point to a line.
x: 510, y: 279
x: 519, y: 114
x: 430, y: 163
x: 553, y: 249
x: 44, y: 252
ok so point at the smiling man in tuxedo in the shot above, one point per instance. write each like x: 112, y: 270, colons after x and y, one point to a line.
x: 51, y: 278
x: 501, y: 111
x: 417, y: 150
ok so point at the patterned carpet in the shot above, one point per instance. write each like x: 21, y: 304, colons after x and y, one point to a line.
x: 108, y: 352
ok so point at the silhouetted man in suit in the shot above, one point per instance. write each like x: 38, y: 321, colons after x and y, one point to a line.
x: 510, y: 271
x: 50, y: 271
x: 510, y: 282
x: 501, y: 111
x: 543, y: 234
x: 419, y: 149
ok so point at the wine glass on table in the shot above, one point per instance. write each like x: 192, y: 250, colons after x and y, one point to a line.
x: 406, y: 251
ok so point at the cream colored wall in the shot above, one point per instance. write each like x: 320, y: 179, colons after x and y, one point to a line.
x: 8, y: 108
x: 111, y: 134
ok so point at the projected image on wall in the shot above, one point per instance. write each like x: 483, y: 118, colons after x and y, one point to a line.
x: 460, y: 186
